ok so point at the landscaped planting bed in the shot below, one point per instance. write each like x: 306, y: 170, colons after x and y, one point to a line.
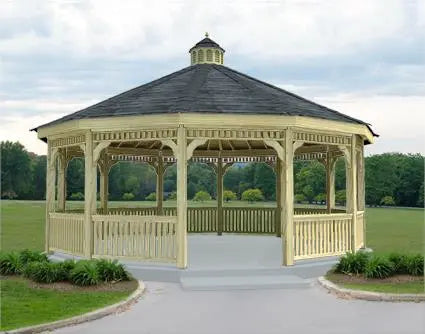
x: 35, y: 290
x: 394, y: 273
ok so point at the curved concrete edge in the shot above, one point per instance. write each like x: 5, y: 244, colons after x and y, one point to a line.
x: 97, y: 314
x: 369, y: 295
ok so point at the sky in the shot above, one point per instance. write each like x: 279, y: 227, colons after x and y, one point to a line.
x: 363, y: 58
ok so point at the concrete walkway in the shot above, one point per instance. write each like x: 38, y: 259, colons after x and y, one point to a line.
x: 166, y: 308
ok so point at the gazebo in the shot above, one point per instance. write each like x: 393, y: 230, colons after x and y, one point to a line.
x: 212, y: 114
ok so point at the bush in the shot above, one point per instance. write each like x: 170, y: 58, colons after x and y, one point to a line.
x: 44, y: 272
x: 202, y: 196
x: 415, y: 265
x: 387, y: 201
x: 229, y: 195
x: 299, y: 198
x: 151, y: 197
x: 320, y: 198
x: 252, y: 195
x: 352, y: 263
x: 341, y: 197
x: 79, y: 196
x: 85, y: 273
x: 128, y: 196
x: 172, y: 196
x: 379, y: 267
x: 67, y: 266
x: 111, y: 271
x: 10, y: 264
x: 27, y: 256
x: 400, y: 262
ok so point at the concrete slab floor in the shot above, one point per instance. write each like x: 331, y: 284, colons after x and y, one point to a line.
x: 166, y: 308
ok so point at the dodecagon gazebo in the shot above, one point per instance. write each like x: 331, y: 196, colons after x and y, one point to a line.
x: 206, y: 113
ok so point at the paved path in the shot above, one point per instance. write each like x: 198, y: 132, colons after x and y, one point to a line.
x: 165, y: 308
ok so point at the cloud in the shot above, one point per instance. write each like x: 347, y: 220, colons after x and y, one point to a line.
x: 60, y: 56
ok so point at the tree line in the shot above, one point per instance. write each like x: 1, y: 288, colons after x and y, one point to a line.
x: 391, y: 179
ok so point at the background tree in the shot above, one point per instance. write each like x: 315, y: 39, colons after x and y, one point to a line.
x: 387, y: 201
x: 151, y: 197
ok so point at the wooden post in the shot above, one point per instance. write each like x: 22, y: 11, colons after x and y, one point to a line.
x: 352, y: 191
x: 160, y: 185
x: 287, y: 181
x: 104, y: 187
x: 181, y: 198
x: 50, y: 192
x: 220, y: 173
x: 61, y: 181
x: 330, y: 183
x: 278, y: 216
x: 90, y: 181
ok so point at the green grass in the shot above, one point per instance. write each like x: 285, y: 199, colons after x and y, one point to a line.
x: 407, y: 287
x: 388, y: 230
x: 23, y: 306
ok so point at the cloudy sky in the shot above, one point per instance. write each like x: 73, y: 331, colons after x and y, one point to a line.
x: 363, y: 58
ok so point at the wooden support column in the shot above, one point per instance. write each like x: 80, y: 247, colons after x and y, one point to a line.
x: 278, y: 216
x: 160, y: 185
x: 287, y: 182
x: 330, y: 183
x: 181, y: 232
x: 50, y: 191
x: 352, y: 191
x: 220, y: 174
x: 61, y: 188
x: 90, y: 182
x: 104, y: 187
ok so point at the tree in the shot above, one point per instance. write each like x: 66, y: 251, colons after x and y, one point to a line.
x: 15, y: 169
x: 229, y: 195
x: 252, y: 195
x: 387, y: 201
x: 202, y: 196
x: 128, y: 196
x: 151, y: 197
x: 420, y: 202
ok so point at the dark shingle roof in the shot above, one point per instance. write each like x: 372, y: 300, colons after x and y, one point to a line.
x: 205, y: 43
x: 207, y: 88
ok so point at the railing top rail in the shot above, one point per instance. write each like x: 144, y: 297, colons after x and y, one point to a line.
x: 66, y: 215
x: 142, y: 219
x: 360, y: 212
x: 330, y: 216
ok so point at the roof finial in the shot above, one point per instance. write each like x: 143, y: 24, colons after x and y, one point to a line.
x: 206, y: 35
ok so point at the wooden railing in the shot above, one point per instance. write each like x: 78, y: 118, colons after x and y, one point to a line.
x: 151, y: 211
x: 202, y: 219
x: 315, y: 211
x: 322, y: 235
x: 249, y: 220
x: 135, y: 237
x: 360, y: 229
x: 66, y: 232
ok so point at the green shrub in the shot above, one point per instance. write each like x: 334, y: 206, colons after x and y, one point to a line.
x: 415, y: 265
x: 172, y: 196
x: 79, y: 196
x: 400, y: 262
x: 85, y: 273
x: 44, y: 272
x: 27, y: 256
x: 229, y: 195
x: 67, y: 266
x: 299, y: 198
x: 379, y: 267
x: 111, y: 271
x: 202, y: 196
x: 387, y: 201
x: 128, y: 196
x: 151, y: 197
x: 352, y: 263
x: 252, y: 195
x: 10, y: 264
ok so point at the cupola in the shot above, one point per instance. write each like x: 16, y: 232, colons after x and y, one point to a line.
x: 206, y: 51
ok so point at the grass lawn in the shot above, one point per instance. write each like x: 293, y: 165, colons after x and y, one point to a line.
x: 23, y: 305
x: 407, y: 287
x: 388, y: 230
